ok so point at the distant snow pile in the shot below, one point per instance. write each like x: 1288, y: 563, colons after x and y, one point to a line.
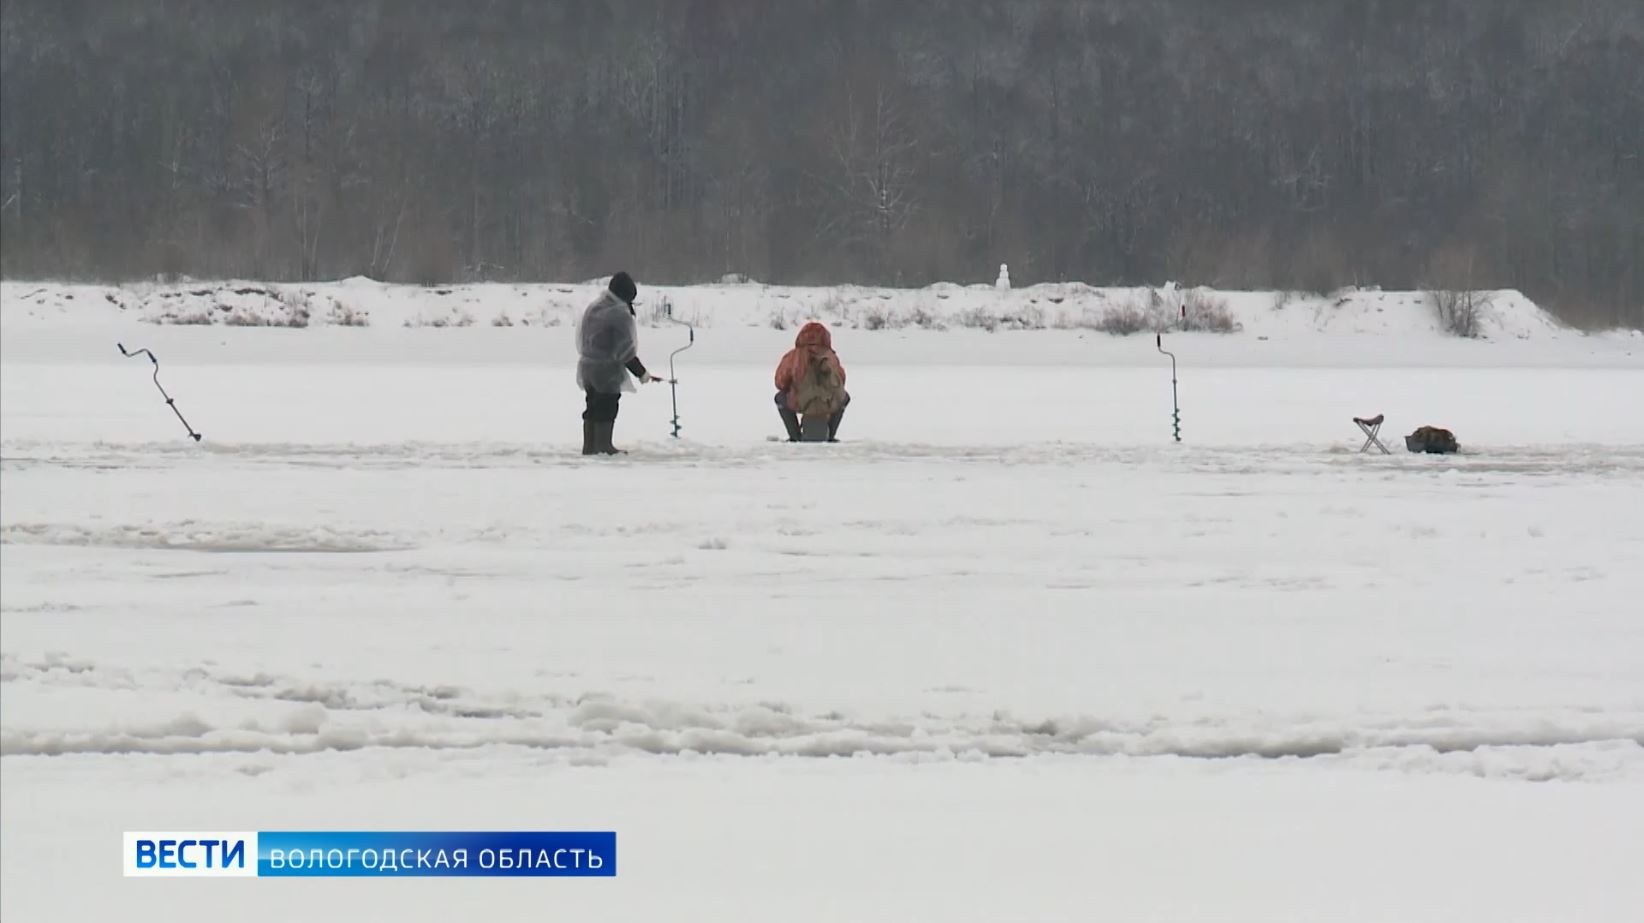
x: 358, y: 302
x: 250, y: 305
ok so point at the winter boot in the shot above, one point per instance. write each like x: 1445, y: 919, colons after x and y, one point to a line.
x: 833, y: 424
x: 590, y: 437
x: 790, y: 420
x: 602, y: 438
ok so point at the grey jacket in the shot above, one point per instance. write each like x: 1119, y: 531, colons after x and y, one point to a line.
x: 607, y: 342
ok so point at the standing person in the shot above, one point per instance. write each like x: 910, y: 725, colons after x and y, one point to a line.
x: 810, y: 383
x: 607, y: 353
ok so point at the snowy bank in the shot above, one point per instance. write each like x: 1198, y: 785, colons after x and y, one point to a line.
x: 360, y: 302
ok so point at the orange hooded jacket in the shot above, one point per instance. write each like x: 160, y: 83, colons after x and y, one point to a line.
x: 813, y: 340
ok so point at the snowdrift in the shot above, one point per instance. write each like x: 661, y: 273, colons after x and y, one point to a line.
x: 360, y: 302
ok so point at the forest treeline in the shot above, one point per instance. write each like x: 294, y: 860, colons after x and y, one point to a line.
x: 1284, y: 144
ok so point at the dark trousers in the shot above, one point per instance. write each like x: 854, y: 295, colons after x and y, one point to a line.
x: 602, y: 408
x: 782, y: 401
x: 791, y: 419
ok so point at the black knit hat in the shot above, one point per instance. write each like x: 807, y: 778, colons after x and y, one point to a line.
x: 622, y: 286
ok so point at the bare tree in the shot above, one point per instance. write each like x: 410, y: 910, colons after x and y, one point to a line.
x: 871, y: 173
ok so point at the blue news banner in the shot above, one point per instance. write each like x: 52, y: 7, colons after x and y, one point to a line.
x: 390, y: 854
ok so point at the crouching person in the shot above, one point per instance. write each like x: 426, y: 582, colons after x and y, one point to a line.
x: 607, y: 353
x: 810, y: 387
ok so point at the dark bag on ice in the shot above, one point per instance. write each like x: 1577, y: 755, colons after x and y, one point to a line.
x: 1431, y: 439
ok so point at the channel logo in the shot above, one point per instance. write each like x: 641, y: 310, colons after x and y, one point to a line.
x: 369, y: 854
x: 190, y: 855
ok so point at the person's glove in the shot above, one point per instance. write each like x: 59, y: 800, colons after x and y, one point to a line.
x: 647, y: 378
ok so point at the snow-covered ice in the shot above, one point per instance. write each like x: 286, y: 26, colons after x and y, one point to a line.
x: 1007, y: 651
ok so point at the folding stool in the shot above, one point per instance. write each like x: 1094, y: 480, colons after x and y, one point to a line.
x: 1371, y: 427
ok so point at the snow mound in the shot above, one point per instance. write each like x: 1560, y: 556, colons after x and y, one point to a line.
x: 246, y: 538
x: 221, y: 713
x: 737, y: 302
